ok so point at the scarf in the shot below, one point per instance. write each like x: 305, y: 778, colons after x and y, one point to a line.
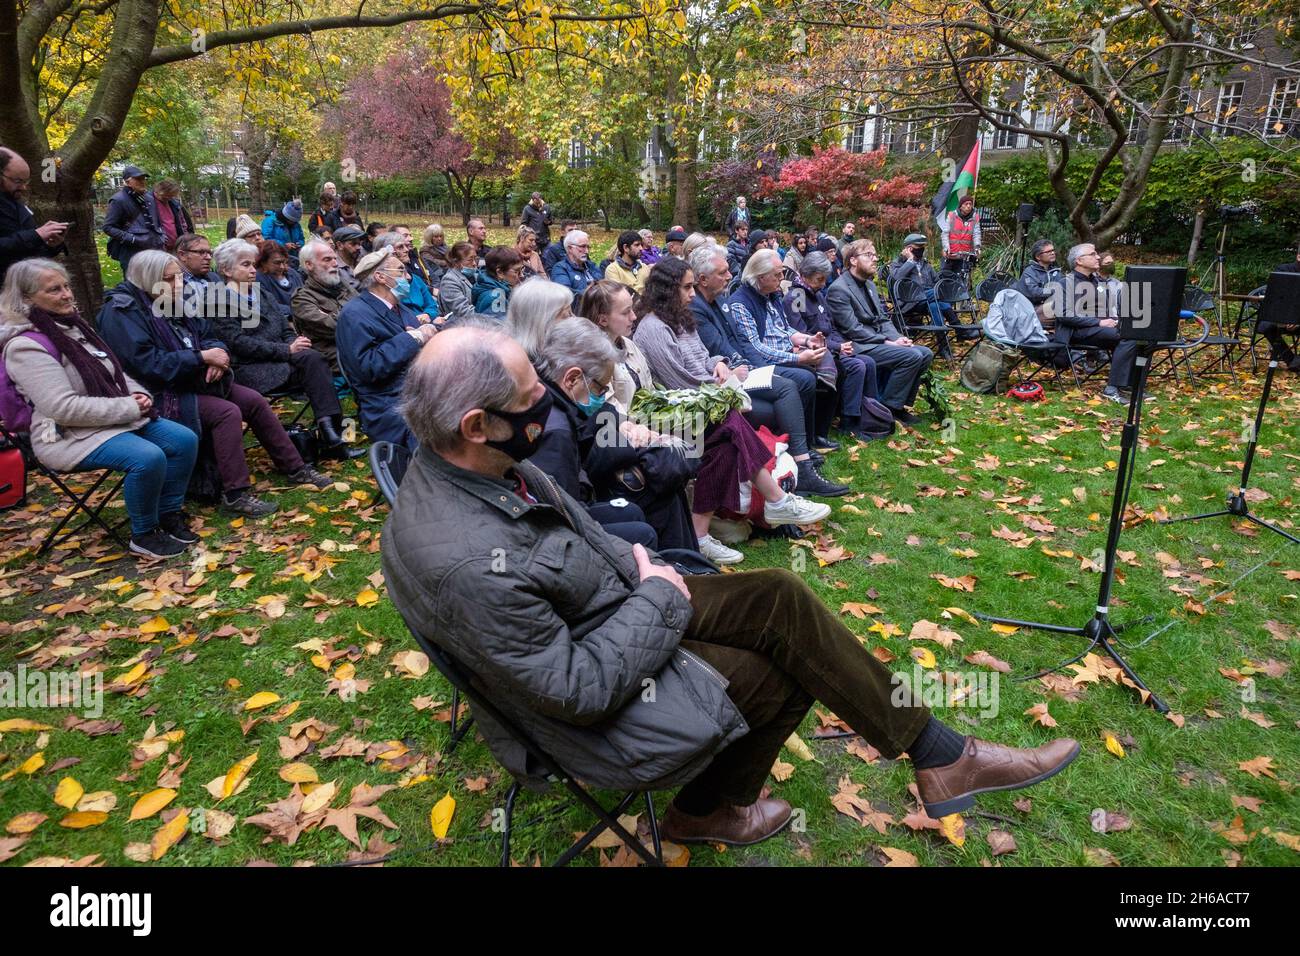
x: 98, y: 381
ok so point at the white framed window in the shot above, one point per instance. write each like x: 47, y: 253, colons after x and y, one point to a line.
x: 1283, y: 107
x: 1228, y: 106
x: 581, y: 156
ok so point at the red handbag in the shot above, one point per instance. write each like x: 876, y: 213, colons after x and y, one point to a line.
x: 13, y: 478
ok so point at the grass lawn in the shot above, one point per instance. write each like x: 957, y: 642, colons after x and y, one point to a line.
x: 1015, y: 497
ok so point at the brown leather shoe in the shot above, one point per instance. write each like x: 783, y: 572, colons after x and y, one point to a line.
x: 737, y: 826
x: 984, y: 767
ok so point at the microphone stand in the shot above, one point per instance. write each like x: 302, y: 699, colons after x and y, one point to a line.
x: 1099, y: 630
x: 1237, y: 505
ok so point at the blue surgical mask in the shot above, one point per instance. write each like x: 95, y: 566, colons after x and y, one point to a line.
x: 403, y: 288
x: 593, y: 404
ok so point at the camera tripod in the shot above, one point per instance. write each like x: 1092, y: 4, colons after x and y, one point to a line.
x: 1099, y: 630
x: 1237, y: 505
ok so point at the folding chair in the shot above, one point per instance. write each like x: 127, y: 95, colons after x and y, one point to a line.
x: 83, y: 502
x: 935, y: 326
x: 606, y: 819
x: 388, y: 463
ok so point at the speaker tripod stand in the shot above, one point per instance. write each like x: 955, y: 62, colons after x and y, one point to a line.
x: 1099, y: 630
x: 1237, y: 505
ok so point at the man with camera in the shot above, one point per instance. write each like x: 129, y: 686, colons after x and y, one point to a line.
x: 627, y: 673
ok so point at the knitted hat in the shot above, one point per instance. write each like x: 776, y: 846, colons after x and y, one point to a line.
x: 292, y: 210
x: 245, y: 225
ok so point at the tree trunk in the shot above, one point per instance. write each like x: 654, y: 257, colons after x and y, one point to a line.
x: 257, y: 200
x: 70, y: 202
x: 687, y: 176
x: 1198, y: 228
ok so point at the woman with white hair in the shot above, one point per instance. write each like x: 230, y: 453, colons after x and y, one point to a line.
x: 176, y: 354
x: 534, y: 306
x: 87, y: 412
x: 267, y: 354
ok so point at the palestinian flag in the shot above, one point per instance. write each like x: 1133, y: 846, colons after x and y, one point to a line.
x: 950, y: 193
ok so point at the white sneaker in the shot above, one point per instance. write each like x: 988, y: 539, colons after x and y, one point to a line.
x: 795, y: 510
x: 719, y: 553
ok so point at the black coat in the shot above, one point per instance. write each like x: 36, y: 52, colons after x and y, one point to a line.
x: 539, y: 221
x: 126, y: 323
x: 131, y: 226
x: 18, y: 238
x: 259, y: 351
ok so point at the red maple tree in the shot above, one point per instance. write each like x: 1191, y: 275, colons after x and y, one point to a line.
x: 834, y: 181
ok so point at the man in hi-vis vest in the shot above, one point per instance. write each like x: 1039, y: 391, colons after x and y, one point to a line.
x: 961, y: 235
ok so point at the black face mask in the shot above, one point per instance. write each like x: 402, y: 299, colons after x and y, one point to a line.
x: 526, y: 428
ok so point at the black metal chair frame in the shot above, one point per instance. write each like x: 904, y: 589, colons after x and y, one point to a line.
x: 606, y: 818
x: 80, y: 503
x: 388, y: 463
x: 958, y: 347
x: 1249, y: 316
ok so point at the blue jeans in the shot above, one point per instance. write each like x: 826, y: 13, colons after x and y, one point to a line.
x: 157, y: 459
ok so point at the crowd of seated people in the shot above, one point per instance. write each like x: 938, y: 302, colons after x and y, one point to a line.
x: 203, y: 336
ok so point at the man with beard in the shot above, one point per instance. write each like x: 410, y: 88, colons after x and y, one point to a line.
x: 20, y: 237
x: 317, y: 302
x: 347, y: 243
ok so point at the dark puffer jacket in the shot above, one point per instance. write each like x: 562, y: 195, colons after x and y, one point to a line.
x: 548, y: 612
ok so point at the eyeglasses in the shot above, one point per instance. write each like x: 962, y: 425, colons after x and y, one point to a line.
x: 599, y: 391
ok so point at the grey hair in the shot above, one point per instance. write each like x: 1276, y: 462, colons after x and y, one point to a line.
x: 227, y: 254
x: 23, y: 279
x: 571, y: 342
x: 815, y: 263
x: 694, y: 241
x: 1076, y: 252
x: 1037, y: 248
x: 436, y: 395
x: 645, y: 233
x: 146, y: 268
x: 760, y: 263
x: 431, y: 232
x: 703, y: 261
x: 386, y: 240
x: 533, y: 307
x: 573, y: 237
x: 311, y: 249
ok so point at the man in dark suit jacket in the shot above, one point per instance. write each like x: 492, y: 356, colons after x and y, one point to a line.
x: 1086, y: 314
x: 132, y: 218
x: 377, y: 337
x: 861, y: 318
x: 20, y: 237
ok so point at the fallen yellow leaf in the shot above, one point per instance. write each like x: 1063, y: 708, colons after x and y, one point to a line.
x: 68, y: 792
x: 152, y: 802
x: 441, y: 814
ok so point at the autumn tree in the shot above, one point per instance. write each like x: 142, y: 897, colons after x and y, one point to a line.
x: 59, y: 54
x: 836, y: 182
x: 1094, y: 83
